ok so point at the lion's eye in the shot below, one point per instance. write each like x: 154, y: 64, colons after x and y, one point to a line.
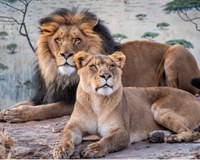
x: 112, y: 66
x: 77, y: 41
x: 58, y: 40
x: 93, y: 67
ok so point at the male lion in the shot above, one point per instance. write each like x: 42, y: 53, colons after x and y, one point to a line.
x: 65, y: 32
x: 196, y: 82
x: 120, y: 115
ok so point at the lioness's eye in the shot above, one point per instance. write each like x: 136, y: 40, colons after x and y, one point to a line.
x: 58, y: 40
x: 93, y: 67
x: 77, y: 41
x: 112, y: 66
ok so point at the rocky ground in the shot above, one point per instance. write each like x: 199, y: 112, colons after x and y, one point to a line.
x: 36, y: 139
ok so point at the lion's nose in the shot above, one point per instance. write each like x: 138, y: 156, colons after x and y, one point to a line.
x: 66, y: 54
x: 106, y: 75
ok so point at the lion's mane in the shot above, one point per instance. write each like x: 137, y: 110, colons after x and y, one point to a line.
x: 50, y: 85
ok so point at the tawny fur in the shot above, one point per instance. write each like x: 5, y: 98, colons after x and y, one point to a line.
x: 65, y: 32
x: 126, y: 115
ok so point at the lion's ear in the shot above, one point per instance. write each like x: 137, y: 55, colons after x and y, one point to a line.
x: 49, y: 28
x: 93, y: 22
x: 120, y: 58
x: 89, y: 25
x: 81, y: 59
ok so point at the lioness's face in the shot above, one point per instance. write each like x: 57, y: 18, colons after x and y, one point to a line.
x: 100, y: 74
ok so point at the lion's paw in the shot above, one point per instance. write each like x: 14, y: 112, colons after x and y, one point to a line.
x: 174, y: 139
x: 18, y: 114
x: 63, y: 150
x: 94, y: 150
x: 158, y: 136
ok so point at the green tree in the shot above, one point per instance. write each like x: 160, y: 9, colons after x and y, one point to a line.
x: 140, y: 16
x: 149, y: 35
x: 12, y: 48
x: 3, y: 67
x: 182, y: 42
x: 3, y: 34
x: 183, y: 8
x: 118, y: 37
x: 162, y: 25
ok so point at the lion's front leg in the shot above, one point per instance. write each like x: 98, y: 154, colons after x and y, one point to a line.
x: 28, y: 112
x: 22, y: 104
x: 71, y: 135
x: 116, y: 140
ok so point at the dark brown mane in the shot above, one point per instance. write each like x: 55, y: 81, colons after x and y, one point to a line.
x: 74, y: 16
x: 50, y: 85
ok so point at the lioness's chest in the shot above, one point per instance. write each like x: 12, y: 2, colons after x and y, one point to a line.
x: 103, y: 122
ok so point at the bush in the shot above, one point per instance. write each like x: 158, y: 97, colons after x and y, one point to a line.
x: 12, y: 48
x: 162, y: 25
x: 2, y: 67
x: 182, y: 42
x: 3, y: 34
x: 118, y: 37
x: 149, y: 35
x: 140, y: 16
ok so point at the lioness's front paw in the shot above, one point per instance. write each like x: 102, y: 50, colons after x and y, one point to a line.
x: 94, y: 150
x: 63, y: 150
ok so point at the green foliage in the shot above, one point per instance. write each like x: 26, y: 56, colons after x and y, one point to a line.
x: 118, y: 37
x: 3, y: 34
x: 3, y: 67
x: 162, y: 25
x: 182, y: 42
x: 12, y: 48
x: 149, y: 35
x: 28, y: 84
x: 180, y: 5
x: 140, y: 16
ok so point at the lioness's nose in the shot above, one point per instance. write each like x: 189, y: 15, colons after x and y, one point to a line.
x: 66, y: 54
x: 106, y: 75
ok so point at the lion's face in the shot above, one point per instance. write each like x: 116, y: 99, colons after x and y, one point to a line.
x: 64, y: 36
x: 66, y: 41
x: 100, y: 74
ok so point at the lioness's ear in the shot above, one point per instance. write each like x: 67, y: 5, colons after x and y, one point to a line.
x: 120, y: 58
x: 81, y: 59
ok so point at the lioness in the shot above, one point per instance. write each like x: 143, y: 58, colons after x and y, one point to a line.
x: 67, y: 31
x: 120, y: 115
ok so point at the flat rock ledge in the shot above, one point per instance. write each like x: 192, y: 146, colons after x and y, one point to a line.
x: 36, y: 140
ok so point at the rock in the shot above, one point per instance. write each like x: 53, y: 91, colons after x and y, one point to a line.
x: 36, y: 140
x: 5, y: 144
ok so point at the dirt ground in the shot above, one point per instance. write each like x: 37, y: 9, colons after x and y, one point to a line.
x: 36, y: 139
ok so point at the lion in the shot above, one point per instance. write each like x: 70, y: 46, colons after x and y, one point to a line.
x: 121, y: 116
x: 65, y: 32
x: 196, y: 82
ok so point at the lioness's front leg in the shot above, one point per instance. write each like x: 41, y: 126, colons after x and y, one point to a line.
x: 71, y: 135
x: 115, y: 140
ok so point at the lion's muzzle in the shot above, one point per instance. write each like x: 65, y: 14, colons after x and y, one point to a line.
x: 66, y: 54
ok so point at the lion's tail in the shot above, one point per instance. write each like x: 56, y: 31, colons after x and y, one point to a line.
x: 159, y: 73
x: 196, y: 82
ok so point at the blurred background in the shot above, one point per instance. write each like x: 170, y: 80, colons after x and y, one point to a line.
x: 165, y: 21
